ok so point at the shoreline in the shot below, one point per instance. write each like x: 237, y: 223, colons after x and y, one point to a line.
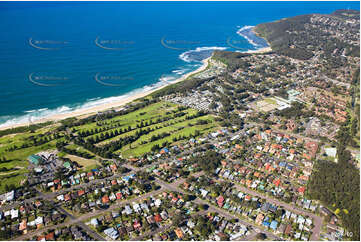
x: 85, y: 112
x: 259, y: 51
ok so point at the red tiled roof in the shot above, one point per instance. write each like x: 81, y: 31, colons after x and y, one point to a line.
x: 119, y: 195
x: 81, y: 192
x: 301, y: 189
x: 41, y: 237
x: 277, y: 182
x: 158, y: 218
x: 23, y: 225
x: 49, y: 236
x: 137, y: 225
x: 220, y: 201
x: 105, y: 199
x: 113, y: 167
x: 179, y: 233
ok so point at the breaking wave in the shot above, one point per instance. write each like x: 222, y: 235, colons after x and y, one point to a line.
x: 199, y: 54
x: 247, y: 33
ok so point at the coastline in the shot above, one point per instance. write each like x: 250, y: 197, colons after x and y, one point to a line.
x: 259, y: 51
x: 85, y: 112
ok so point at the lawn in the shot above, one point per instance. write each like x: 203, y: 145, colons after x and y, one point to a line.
x: 18, y: 158
x: 138, y: 149
x: 13, y: 178
x: 87, y: 164
x: 177, y: 125
x: 152, y: 111
x: 178, y: 122
x: 270, y: 101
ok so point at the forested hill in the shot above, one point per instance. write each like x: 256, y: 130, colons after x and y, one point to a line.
x: 332, y: 37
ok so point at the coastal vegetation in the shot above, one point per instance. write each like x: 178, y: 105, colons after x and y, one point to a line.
x: 181, y: 87
x: 22, y: 129
x: 300, y: 36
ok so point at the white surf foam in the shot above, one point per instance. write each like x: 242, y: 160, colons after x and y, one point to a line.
x: 240, y: 32
x: 257, y: 46
x: 185, y: 56
x: 180, y: 71
x: 43, y: 113
x: 37, y: 114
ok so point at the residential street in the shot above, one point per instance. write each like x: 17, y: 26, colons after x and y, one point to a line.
x: 89, y: 215
x: 317, y: 219
x: 164, y: 186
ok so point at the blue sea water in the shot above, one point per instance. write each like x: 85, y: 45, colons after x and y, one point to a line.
x: 60, y: 56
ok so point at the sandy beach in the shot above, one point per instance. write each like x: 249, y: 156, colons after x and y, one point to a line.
x: 102, y: 107
x: 260, y: 51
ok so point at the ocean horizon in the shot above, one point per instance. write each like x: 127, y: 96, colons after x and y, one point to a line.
x: 59, y: 57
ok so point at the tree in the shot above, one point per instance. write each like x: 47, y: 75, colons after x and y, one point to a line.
x: 261, y: 236
x: 178, y: 219
x: 209, y: 161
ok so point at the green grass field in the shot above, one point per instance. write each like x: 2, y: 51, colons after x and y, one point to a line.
x: 18, y: 158
x: 87, y: 164
x: 138, y: 149
x: 177, y: 125
x: 270, y: 101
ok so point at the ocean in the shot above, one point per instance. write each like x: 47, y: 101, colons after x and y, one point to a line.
x: 57, y: 57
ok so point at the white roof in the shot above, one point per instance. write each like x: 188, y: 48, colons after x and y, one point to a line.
x: 331, y: 152
x: 112, y: 196
x: 128, y: 210
x: 112, y: 233
x: 203, y: 192
x: 300, y: 219
x: 38, y: 169
x: 94, y: 221
x: 10, y: 195
x: 14, y: 213
x: 190, y: 224
x: 31, y: 223
x: 39, y: 220
x: 136, y: 206
x: 158, y: 202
